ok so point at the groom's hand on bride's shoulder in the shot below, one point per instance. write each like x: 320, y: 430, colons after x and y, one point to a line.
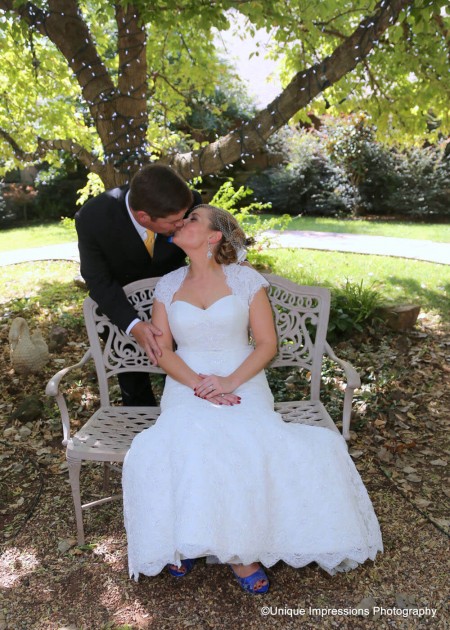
x: 145, y: 334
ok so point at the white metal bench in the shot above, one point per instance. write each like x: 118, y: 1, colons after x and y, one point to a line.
x: 301, y: 316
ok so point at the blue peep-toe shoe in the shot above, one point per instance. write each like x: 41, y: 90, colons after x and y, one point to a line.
x: 187, y: 564
x: 248, y: 583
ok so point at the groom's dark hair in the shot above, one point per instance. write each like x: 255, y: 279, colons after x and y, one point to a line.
x: 159, y: 191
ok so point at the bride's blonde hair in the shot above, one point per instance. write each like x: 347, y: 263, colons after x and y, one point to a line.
x: 232, y: 246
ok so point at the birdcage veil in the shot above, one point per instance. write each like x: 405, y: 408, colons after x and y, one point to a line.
x: 231, y: 230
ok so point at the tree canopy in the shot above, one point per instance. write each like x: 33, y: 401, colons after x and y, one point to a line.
x: 117, y: 84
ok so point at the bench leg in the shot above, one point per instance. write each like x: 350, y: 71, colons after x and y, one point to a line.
x: 74, y: 466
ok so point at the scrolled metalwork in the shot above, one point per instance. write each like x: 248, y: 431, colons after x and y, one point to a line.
x: 120, y: 351
x: 296, y: 319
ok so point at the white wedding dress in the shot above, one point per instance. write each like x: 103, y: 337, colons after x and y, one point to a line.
x: 238, y: 483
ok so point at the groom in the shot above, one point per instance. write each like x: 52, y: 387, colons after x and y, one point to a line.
x: 123, y: 236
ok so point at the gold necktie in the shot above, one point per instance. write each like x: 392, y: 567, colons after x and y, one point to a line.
x: 149, y: 242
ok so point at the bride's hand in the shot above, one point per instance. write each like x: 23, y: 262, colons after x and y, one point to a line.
x: 225, y: 399
x: 213, y: 386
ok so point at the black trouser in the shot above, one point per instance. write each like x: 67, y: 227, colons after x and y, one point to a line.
x: 136, y: 389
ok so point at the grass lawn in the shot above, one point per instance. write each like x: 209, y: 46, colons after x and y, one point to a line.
x: 41, y: 290
x: 36, y: 236
x: 399, y: 280
x: 429, y: 232
x: 50, y: 283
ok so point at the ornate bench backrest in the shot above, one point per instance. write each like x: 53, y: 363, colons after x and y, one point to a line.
x: 301, y: 317
x: 113, y: 350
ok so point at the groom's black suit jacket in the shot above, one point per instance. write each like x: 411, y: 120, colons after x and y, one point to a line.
x: 113, y: 254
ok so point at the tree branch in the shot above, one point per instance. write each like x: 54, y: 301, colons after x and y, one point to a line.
x: 64, y: 26
x: 375, y: 84
x: 338, y: 16
x: 18, y: 152
x: 170, y: 84
x: 44, y: 146
x: 334, y: 33
x: 303, y: 88
x: 29, y: 12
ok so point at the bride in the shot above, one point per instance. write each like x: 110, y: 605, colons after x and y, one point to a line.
x: 220, y: 473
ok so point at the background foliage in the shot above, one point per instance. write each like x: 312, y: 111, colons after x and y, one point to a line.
x: 343, y: 170
x: 118, y: 84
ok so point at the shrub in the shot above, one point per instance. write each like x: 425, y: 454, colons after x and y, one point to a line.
x: 52, y: 195
x: 369, y: 166
x: 56, y: 197
x: 310, y: 184
x: 353, y: 306
x: 7, y: 216
x: 424, y: 183
x: 391, y: 181
x: 69, y: 225
x: 343, y: 170
x: 19, y: 202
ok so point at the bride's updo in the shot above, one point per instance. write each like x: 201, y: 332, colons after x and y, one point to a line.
x: 232, y: 246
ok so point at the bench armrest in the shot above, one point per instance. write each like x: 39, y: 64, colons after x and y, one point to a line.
x: 52, y: 389
x: 353, y: 382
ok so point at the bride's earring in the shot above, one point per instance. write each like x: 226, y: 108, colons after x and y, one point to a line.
x: 209, y: 254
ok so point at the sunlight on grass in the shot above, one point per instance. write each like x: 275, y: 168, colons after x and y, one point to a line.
x: 26, y: 280
x: 41, y: 290
x: 48, y: 286
x: 430, y: 232
x: 35, y: 236
x: 400, y: 280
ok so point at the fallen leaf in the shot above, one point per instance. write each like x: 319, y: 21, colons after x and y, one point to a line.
x: 65, y: 545
x: 422, y: 503
x: 404, y: 600
x: 367, y: 603
x: 384, y: 455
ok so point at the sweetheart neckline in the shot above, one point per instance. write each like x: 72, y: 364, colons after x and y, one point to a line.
x: 200, y: 308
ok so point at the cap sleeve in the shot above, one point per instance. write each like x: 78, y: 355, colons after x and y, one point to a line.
x: 169, y: 284
x: 244, y: 281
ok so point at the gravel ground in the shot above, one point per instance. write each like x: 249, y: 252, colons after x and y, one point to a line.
x: 44, y: 588
x: 49, y: 583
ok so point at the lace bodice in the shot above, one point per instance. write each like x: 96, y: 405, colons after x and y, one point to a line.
x: 224, y: 325
x: 243, y: 281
